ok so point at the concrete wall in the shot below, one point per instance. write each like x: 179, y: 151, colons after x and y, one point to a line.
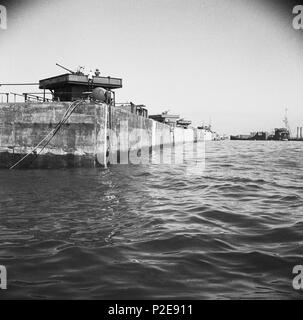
x: 185, y: 135
x: 24, y: 125
x: 95, y: 134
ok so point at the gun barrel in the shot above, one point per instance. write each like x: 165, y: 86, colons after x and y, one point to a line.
x: 59, y: 65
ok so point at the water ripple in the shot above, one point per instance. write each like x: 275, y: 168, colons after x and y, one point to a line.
x: 232, y: 231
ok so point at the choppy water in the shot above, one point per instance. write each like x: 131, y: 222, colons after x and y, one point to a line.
x: 157, y: 231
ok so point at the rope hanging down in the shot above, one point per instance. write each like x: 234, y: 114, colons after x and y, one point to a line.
x: 47, y: 139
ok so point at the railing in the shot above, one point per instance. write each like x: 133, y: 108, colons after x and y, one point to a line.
x: 27, y: 96
x: 35, y: 97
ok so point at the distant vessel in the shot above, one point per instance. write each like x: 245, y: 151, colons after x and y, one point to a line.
x: 253, y: 136
x: 279, y: 134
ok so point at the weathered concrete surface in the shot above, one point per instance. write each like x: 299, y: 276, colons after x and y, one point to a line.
x: 24, y: 125
x: 95, y: 134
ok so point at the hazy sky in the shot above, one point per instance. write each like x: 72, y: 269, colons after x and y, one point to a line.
x: 238, y: 62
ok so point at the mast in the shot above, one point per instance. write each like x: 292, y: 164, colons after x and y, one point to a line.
x: 286, y: 122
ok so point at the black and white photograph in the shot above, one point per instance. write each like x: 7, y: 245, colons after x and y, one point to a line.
x: 151, y: 150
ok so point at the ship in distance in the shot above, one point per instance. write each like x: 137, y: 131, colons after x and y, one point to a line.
x: 278, y: 134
